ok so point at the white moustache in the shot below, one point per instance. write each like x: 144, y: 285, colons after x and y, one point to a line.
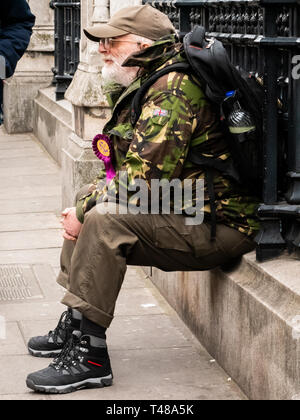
x: 116, y: 60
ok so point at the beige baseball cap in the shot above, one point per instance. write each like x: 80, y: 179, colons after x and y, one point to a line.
x: 145, y: 21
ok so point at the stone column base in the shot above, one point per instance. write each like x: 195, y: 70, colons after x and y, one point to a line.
x: 79, y: 167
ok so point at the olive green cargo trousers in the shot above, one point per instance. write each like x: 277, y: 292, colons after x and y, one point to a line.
x: 93, y: 267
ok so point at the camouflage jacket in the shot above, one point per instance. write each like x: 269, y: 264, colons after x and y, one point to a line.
x: 176, y: 116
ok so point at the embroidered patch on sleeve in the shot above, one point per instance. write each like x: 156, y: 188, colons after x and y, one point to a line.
x: 160, y: 113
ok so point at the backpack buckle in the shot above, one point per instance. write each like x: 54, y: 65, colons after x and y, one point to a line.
x: 211, y: 42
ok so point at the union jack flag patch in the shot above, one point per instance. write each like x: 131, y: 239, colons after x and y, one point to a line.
x: 160, y: 113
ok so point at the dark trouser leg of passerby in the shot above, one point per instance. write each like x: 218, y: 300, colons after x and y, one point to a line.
x: 106, y: 245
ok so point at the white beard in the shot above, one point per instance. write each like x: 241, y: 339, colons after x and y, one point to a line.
x: 114, y: 72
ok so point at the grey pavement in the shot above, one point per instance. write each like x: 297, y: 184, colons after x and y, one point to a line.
x: 153, y: 354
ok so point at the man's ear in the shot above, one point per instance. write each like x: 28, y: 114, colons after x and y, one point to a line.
x: 145, y: 45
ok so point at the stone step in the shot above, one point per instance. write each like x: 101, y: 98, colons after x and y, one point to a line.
x: 52, y: 123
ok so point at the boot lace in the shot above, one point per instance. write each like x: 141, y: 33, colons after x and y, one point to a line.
x: 62, y: 327
x: 71, y: 353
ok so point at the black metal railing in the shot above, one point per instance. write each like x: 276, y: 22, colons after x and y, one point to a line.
x: 262, y: 36
x: 67, y: 43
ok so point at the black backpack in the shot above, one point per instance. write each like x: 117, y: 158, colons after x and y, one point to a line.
x: 239, y: 98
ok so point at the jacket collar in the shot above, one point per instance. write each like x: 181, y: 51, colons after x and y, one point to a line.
x: 154, y: 56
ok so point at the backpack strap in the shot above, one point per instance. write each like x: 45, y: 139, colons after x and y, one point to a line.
x: 209, y: 179
x: 225, y: 167
x: 136, y: 107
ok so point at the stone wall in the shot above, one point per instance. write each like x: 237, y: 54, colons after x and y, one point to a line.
x: 116, y: 5
x: 248, y: 319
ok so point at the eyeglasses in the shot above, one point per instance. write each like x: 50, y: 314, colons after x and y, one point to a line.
x: 109, y: 42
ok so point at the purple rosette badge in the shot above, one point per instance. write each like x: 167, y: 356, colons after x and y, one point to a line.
x: 103, y: 149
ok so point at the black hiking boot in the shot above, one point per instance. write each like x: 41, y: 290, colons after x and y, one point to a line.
x: 80, y: 365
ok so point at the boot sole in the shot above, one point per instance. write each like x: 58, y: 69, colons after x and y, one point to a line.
x: 65, y: 389
x: 44, y: 353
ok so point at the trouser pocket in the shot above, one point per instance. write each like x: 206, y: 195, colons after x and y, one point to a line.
x: 167, y: 236
x: 171, y: 232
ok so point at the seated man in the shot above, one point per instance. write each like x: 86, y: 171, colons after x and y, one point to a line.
x: 16, y: 22
x: 100, y: 243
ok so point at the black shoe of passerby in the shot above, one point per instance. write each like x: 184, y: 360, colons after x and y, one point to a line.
x: 80, y: 365
x: 51, y: 345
